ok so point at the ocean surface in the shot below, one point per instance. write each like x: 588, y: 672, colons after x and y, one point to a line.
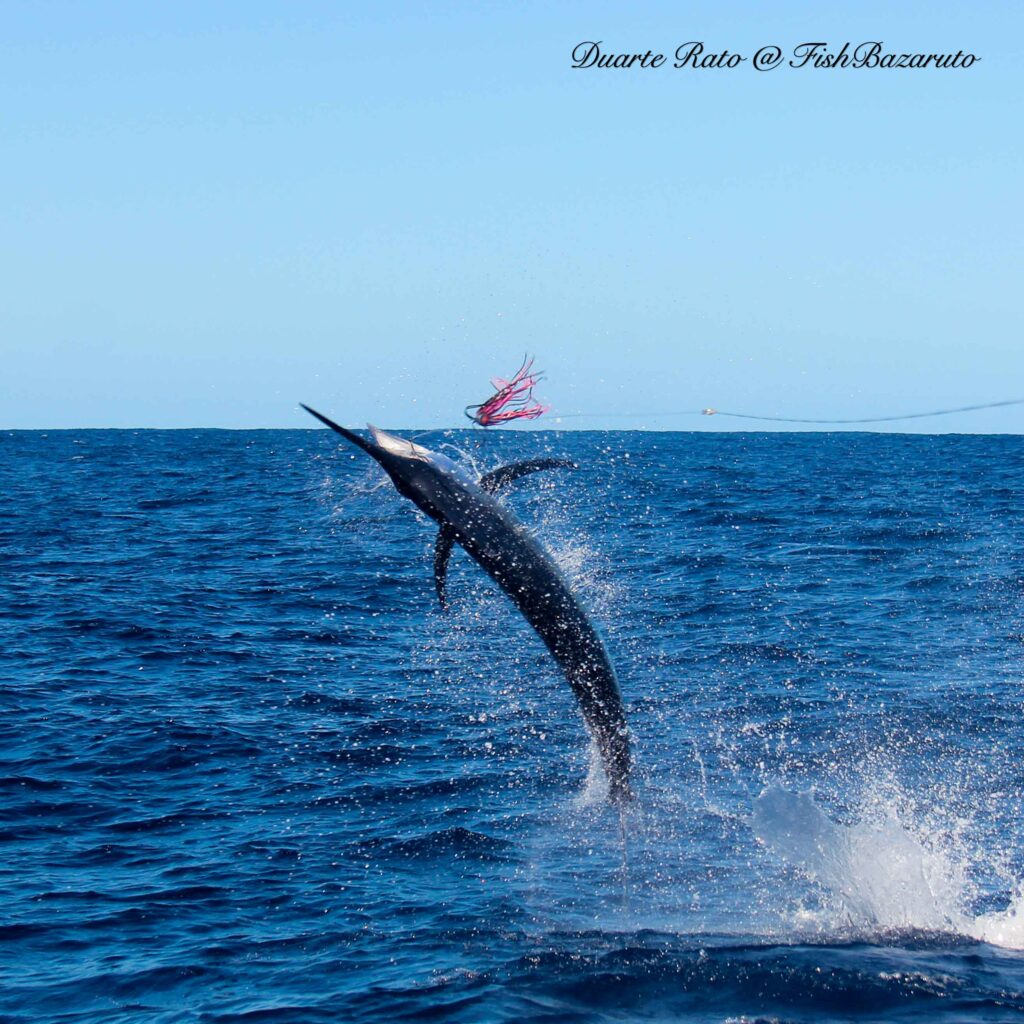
x: 249, y: 771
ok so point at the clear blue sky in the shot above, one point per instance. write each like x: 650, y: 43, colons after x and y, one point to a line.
x: 212, y: 211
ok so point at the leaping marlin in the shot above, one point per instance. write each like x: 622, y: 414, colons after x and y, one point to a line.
x: 469, y: 512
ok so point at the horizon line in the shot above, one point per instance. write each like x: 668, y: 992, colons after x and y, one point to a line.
x: 838, y: 429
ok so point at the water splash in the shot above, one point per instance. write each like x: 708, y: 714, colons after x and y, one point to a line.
x: 879, y: 873
x: 594, y: 791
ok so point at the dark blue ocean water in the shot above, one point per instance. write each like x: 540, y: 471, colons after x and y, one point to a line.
x: 250, y: 772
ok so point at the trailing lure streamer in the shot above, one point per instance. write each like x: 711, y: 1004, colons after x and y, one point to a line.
x: 793, y: 419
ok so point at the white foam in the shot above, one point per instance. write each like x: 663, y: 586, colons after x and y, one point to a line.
x: 1004, y: 927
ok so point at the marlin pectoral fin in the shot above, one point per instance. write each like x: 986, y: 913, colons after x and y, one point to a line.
x: 498, y: 478
x: 442, y: 552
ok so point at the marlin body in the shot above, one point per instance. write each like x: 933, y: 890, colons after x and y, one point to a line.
x: 469, y: 513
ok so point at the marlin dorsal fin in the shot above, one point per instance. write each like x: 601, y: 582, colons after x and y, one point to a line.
x: 501, y: 477
x: 442, y: 552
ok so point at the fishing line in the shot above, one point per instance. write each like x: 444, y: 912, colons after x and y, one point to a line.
x: 625, y: 858
x: 793, y: 419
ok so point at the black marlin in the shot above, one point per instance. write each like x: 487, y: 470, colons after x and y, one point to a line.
x: 469, y: 513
